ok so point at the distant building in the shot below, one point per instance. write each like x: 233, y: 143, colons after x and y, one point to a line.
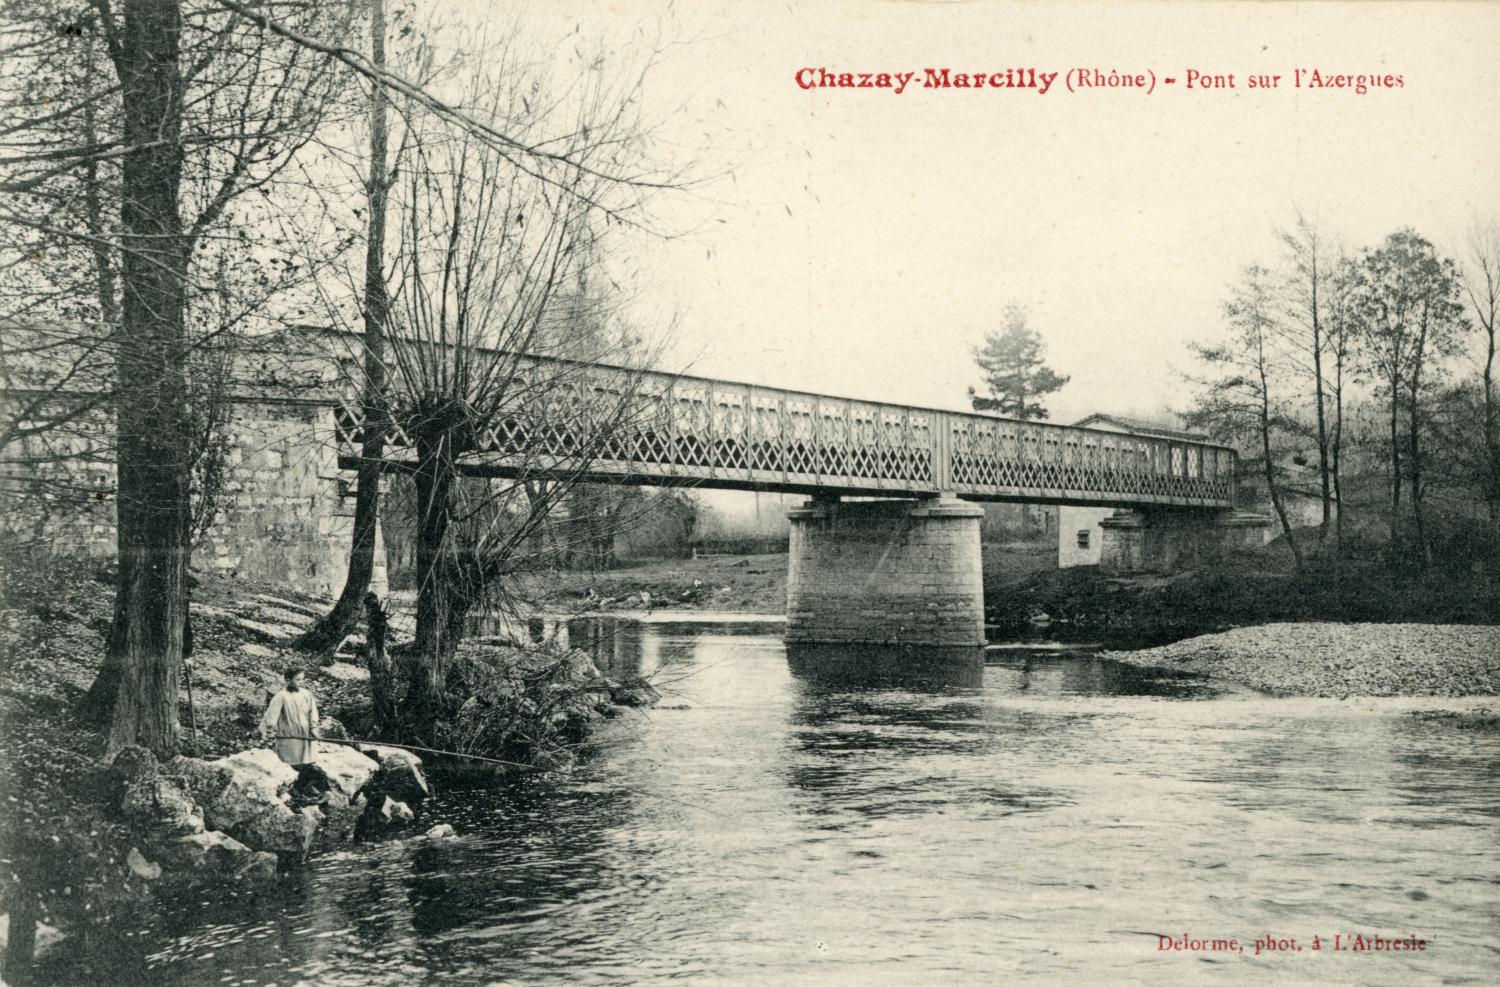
x: 1078, y: 531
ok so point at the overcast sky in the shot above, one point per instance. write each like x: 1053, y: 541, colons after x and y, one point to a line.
x: 868, y: 239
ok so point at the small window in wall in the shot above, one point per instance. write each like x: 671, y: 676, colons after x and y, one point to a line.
x: 1083, y: 539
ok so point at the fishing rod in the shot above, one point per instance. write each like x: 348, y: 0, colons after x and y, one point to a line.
x: 410, y: 747
x: 494, y: 760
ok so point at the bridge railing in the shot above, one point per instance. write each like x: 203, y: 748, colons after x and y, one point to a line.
x: 694, y: 430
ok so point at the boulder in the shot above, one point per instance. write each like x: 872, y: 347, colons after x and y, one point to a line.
x: 442, y: 831
x: 635, y: 691
x: 343, y: 769
x: 132, y: 764
x: 252, y: 806
x: 281, y: 830
x: 161, y: 807
x: 333, y: 729
x: 203, y: 781
x: 395, y: 813
x: 402, y: 779
x: 141, y: 867
x: 380, y: 752
x: 385, y: 816
x: 400, y: 775
x: 257, y: 781
x: 341, y: 817
x: 579, y: 667
x: 217, y: 853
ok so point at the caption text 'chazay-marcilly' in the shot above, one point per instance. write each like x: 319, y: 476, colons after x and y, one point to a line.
x: 1077, y: 80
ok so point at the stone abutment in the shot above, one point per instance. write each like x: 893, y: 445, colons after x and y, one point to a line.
x: 1169, y: 540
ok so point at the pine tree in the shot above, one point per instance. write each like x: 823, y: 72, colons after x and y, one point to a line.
x: 1015, y: 376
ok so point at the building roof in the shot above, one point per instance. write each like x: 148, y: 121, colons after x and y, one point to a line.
x: 1136, y: 426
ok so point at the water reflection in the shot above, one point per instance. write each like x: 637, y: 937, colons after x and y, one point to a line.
x: 867, y: 816
x: 832, y: 668
x: 888, y: 732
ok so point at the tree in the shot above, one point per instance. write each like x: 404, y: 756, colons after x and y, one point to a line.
x: 129, y: 183
x: 599, y: 160
x: 1015, y: 376
x: 494, y: 383
x: 1309, y: 335
x: 1340, y: 331
x: 193, y: 104
x: 1239, y: 399
x: 1481, y: 282
x: 329, y: 632
x: 1410, y: 314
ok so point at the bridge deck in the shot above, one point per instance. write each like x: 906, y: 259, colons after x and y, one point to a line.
x: 682, y: 430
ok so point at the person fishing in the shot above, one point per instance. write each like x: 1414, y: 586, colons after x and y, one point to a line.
x: 292, y: 719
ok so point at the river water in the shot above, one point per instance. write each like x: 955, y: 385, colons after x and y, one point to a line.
x: 1044, y: 816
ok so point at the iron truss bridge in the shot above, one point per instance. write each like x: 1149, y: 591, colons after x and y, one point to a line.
x: 692, y: 431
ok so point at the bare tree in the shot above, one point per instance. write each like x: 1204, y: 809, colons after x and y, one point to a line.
x: 491, y: 374
x: 198, y: 109
x: 1238, y: 398
x: 1481, y: 283
x: 1341, y: 326
x: 330, y: 631
x: 1308, y: 335
x: 586, y: 142
x: 1410, y: 314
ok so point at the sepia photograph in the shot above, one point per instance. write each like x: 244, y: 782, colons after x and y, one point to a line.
x: 749, y: 492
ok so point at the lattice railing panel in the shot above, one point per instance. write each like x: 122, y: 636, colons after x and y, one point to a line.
x: 660, y: 428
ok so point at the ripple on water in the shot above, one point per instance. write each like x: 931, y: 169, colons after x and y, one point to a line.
x: 1044, y: 814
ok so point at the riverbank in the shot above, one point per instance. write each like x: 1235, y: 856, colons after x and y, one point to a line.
x: 730, y: 583
x: 736, y: 583
x: 1340, y: 660
x: 84, y: 847
x: 1262, y: 586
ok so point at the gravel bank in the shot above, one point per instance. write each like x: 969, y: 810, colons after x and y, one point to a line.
x: 1328, y: 659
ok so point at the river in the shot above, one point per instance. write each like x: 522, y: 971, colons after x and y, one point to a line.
x: 1045, y: 816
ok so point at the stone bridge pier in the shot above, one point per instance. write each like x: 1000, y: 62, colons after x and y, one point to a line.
x: 887, y: 572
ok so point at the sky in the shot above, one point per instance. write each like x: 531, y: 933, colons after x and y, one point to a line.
x: 859, y: 242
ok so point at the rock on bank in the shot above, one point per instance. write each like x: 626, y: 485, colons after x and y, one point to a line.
x: 233, y: 817
x: 1330, y: 659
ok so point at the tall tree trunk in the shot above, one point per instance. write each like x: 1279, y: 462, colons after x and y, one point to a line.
x: 1317, y: 355
x: 435, y: 643
x: 98, y: 704
x: 140, y: 685
x: 1491, y: 425
x: 326, y: 635
x: 1336, y: 456
x: 1265, y: 443
x: 1395, y: 467
x: 1414, y: 445
x: 382, y: 682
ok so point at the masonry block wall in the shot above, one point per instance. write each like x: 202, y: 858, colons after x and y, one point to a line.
x: 281, y: 517
x: 57, y: 489
x: 886, y: 572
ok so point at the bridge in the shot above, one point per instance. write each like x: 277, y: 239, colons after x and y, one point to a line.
x: 886, y: 550
x: 684, y: 430
x: 900, y: 565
